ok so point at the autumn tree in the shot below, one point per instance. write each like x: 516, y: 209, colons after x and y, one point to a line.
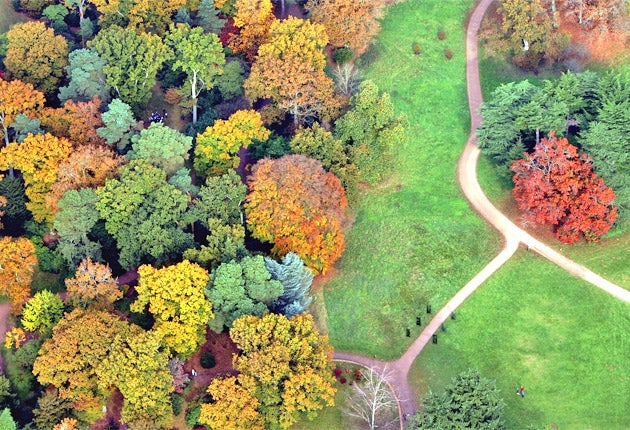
x: 137, y: 366
x: 92, y: 285
x: 555, y: 185
x: 175, y: 297
x: 217, y: 147
x: 371, y: 131
x: 233, y: 406
x: 42, y: 312
x: 294, y: 204
x: 119, y: 124
x: 285, y: 364
x: 253, y: 18
x: 69, y: 359
x: 144, y: 213
x: 296, y: 280
x: 17, y: 97
x: 141, y: 16
x: 86, y: 78
x: 50, y: 409
x: 132, y: 62
x: 348, y: 23
x: 199, y: 55
x: 17, y: 265
x: 241, y: 288
x: 372, y: 401
x: 289, y: 70
x: 35, y: 55
x: 38, y: 158
x: 76, y: 121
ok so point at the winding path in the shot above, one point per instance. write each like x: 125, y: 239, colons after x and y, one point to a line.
x: 398, y: 370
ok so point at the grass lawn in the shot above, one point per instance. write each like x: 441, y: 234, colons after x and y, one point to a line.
x: 566, y: 341
x: 415, y: 235
x: 8, y: 16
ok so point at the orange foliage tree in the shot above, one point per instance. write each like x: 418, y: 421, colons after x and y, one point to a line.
x: 76, y: 121
x: 38, y: 158
x: 17, y: 97
x: 555, y: 185
x: 299, y: 207
x: 17, y: 265
x: 253, y: 18
x: 94, y: 285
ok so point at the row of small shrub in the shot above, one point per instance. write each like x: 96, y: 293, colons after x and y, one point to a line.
x: 448, y: 52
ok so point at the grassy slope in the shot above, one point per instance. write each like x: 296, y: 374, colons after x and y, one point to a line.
x: 565, y: 340
x: 8, y: 16
x: 415, y: 232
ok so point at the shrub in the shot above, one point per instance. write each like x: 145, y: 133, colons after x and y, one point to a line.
x: 441, y: 35
x: 192, y: 415
x: 342, y: 55
x: 416, y: 48
x: 448, y: 53
x: 177, y: 402
x: 343, y: 380
x: 207, y: 360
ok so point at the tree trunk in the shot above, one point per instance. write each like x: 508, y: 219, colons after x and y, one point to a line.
x: 282, y: 9
x: 554, y: 14
x: 195, y: 111
x: 194, y: 94
x: 580, y: 13
x: 537, y: 136
x: 6, y: 143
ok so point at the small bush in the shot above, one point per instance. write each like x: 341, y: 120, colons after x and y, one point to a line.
x: 207, y: 360
x: 337, y: 371
x: 448, y: 53
x: 177, y: 402
x: 441, y: 35
x: 192, y: 415
x: 343, y: 380
x: 416, y: 48
x: 342, y: 55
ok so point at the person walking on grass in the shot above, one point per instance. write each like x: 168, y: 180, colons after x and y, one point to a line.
x: 522, y: 390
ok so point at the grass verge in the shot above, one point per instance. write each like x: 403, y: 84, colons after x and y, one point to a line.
x: 566, y: 341
x: 415, y: 235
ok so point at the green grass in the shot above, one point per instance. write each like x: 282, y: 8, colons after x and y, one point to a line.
x: 415, y: 235
x: 566, y: 341
x: 329, y: 418
x: 8, y: 16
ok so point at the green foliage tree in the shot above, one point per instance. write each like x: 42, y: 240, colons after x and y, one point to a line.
x: 144, y: 214
x: 372, y: 131
x: 241, y: 288
x: 132, y: 62
x: 208, y: 17
x: 221, y: 198
x: 15, y: 211
x: 42, y: 312
x: 161, y: 146
x: 230, y: 83
x: 50, y: 410
x: 469, y: 401
x: 296, y: 280
x: 6, y: 420
x: 199, y: 55
x: 23, y: 125
x: 85, y: 77
x: 119, y: 122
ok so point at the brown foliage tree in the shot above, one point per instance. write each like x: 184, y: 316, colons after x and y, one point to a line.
x: 76, y: 121
x: 93, y: 284
x: 17, y: 265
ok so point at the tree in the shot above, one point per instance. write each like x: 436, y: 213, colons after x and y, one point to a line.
x: 224, y: 243
x: 241, y: 288
x: 6, y: 420
x: 38, y: 158
x: 218, y: 146
x: 35, y: 55
x: 85, y: 75
x: 144, y: 213
x: 17, y: 97
x: 119, y: 122
x: 230, y: 83
x: 199, y: 55
x: 66, y: 424
x: 17, y: 265
x: 221, y: 198
x: 349, y: 23
x: 50, y: 409
x: 42, y: 312
x: 296, y: 280
x: 137, y: 366
x: 233, y: 406
x: 181, y: 313
x: 70, y: 358
x: 141, y: 16
x: 289, y: 70
x: 161, y: 146
x: 554, y: 185
x: 208, y: 17
x: 92, y: 285
x: 294, y: 204
x: 23, y: 125
x: 132, y: 62
x: 15, y: 212
x: 285, y: 364
x: 469, y: 401
x: 371, y: 130
x: 372, y: 401
x: 76, y: 121
x: 253, y: 18
x: 180, y: 377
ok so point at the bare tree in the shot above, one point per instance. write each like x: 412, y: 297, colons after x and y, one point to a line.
x: 372, y: 401
x: 347, y: 78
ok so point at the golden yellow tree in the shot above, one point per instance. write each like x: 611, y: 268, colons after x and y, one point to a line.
x: 175, y: 295
x: 17, y: 97
x: 66, y: 424
x: 218, y: 145
x: 38, y: 158
x: 253, y: 18
x: 234, y: 407
x: 17, y: 265
x: 289, y: 70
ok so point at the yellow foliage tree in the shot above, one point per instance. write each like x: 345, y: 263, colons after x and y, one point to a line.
x: 14, y: 338
x: 38, y: 158
x: 66, y: 424
x: 234, y: 407
x: 218, y: 145
x: 146, y: 15
x: 175, y: 295
x: 289, y: 70
x: 17, y: 97
x: 17, y: 265
x: 93, y: 284
x: 253, y: 18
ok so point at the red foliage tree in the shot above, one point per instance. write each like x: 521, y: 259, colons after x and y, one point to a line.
x: 555, y: 185
x: 295, y: 204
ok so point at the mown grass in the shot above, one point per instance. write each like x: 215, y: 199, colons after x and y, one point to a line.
x: 566, y: 341
x: 8, y: 16
x: 329, y: 418
x: 415, y: 235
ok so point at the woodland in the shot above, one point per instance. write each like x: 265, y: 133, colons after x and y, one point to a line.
x: 175, y: 174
